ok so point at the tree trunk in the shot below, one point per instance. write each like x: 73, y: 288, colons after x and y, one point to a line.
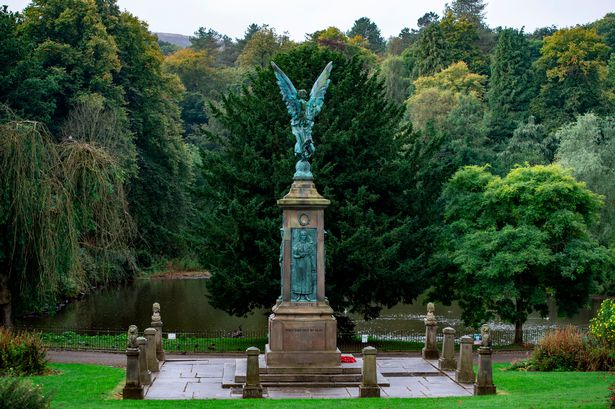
x: 518, y: 333
x: 5, y: 302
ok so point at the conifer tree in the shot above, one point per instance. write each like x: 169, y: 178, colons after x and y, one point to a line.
x: 355, y: 166
x: 510, y: 85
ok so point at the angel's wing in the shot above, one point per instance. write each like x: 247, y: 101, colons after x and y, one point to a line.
x: 288, y: 91
x: 317, y: 94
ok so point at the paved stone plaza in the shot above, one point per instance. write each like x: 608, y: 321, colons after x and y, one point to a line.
x: 203, y: 379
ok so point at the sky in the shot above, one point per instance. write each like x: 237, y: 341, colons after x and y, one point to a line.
x: 298, y: 17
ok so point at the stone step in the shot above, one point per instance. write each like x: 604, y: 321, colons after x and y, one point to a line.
x: 234, y: 375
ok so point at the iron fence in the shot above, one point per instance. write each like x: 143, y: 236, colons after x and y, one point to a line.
x: 231, y: 341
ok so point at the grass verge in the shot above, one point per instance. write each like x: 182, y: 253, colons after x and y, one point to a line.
x: 92, y: 386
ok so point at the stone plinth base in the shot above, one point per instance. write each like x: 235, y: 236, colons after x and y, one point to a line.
x: 430, y: 354
x: 132, y: 392
x: 250, y: 391
x: 484, y: 389
x: 369, y: 391
x: 447, y: 364
x: 298, y: 360
x: 302, y: 335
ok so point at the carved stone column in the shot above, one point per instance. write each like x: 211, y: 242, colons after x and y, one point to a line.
x: 465, y: 371
x: 430, y: 351
x: 484, y: 380
x: 133, y: 388
x: 447, y: 361
x: 157, y: 324
x: 144, y: 373
x: 369, y: 385
x: 252, y: 388
x: 152, y: 362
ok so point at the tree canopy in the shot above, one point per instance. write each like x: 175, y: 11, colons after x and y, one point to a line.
x: 511, y: 243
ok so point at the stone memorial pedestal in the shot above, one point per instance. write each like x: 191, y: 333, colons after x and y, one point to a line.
x: 447, y: 361
x: 302, y: 328
x: 369, y: 384
x: 465, y: 370
x: 133, y: 388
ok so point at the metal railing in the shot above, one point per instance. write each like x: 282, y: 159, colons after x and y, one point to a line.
x: 232, y: 341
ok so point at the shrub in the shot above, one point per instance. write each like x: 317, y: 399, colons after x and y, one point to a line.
x: 559, y: 350
x: 602, y: 326
x: 18, y: 393
x: 567, y: 350
x: 21, y: 354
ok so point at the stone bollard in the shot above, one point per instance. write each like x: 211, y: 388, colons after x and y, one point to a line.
x: 157, y: 324
x: 430, y: 351
x: 133, y: 388
x: 152, y: 362
x: 484, y: 381
x: 144, y: 374
x: 465, y: 371
x: 252, y: 388
x: 447, y: 361
x: 369, y: 384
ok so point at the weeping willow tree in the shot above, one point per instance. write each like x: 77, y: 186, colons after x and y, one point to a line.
x: 63, y: 216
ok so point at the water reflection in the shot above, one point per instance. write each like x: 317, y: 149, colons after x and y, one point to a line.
x: 185, y: 308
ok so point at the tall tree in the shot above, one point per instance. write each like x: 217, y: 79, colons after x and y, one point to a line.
x: 510, y: 85
x: 396, y: 77
x: 515, y: 242
x: 529, y: 144
x: 427, y: 19
x: 355, y: 167
x: 573, y: 67
x: 367, y: 29
x: 435, y: 96
x: 431, y: 52
x: 462, y: 37
x: 587, y: 146
x: 471, y: 10
x: 261, y: 47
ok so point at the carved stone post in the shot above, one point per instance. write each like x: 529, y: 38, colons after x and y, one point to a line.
x: 152, y: 362
x: 465, y: 371
x: 447, y: 361
x: 369, y: 385
x: 157, y: 324
x: 430, y: 351
x: 144, y: 373
x: 252, y: 388
x: 133, y: 388
x: 484, y: 381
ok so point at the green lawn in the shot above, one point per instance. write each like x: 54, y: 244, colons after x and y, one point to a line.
x: 92, y: 386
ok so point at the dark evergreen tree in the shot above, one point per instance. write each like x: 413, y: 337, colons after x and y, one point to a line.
x: 367, y: 29
x: 510, y: 85
x: 471, y: 10
x: 431, y: 52
x: 427, y: 19
x: 369, y: 249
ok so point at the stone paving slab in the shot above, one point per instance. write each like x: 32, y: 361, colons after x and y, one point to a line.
x: 202, y: 379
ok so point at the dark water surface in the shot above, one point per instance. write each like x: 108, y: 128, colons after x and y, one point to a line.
x: 185, y: 308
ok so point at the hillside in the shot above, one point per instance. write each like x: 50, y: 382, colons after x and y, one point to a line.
x: 177, y: 39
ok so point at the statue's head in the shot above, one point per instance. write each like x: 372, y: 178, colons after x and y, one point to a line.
x: 156, y: 307
x: 484, y: 329
x: 302, y: 94
x: 430, y: 307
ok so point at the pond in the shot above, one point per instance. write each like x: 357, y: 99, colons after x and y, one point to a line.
x: 185, y: 309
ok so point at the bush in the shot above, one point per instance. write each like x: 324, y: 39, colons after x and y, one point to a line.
x: 21, y: 354
x: 602, y: 326
x: 18, y: 393
x: 567, y: 350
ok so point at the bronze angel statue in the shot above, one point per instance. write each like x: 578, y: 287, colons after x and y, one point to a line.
x: 302, y: 112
